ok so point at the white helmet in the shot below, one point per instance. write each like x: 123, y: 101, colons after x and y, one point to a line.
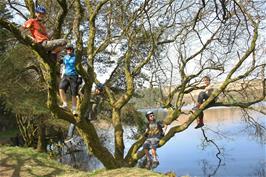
x: 148, y: 113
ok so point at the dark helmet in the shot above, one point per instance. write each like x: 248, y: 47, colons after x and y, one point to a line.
x: 148, y: 113
x: 40, y: 9
x: 70, y: 46
x: 99, y: 86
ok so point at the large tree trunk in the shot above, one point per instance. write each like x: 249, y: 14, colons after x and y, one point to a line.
x: 118, y: 135
x: 90, y: 137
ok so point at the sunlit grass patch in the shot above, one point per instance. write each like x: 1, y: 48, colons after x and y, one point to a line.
x: 17, y: 161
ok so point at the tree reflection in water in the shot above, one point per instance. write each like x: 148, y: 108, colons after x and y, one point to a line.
x: 205, y: 165
x: 255, y: 127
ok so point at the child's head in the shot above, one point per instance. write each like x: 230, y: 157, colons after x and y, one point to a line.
x: 69, y: 49
x: 99, y: 88
x: 40, y: 12
x: 206, y: 80
x: 150, y: 116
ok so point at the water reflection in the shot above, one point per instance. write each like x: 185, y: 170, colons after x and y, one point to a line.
x: 205, y: 165
x: 74, y: 153
x: 210, y: 170
x: 232, y: 149
x: 188, y: 153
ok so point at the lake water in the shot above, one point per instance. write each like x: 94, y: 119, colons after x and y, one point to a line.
x: 243, y: 152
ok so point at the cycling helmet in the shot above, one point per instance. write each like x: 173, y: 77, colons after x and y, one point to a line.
x: 148, y: 113
x: 40, y: 9
x: 70, y: 46
x: 99, y: 86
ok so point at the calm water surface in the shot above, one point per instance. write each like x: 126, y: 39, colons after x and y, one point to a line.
x: 243, y: 154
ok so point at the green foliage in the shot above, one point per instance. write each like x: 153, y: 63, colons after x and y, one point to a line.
x: 4, y: 34
x: 147, y: 98
x: 7, y: 117
x: 132, y: 117
x: 21, y: 85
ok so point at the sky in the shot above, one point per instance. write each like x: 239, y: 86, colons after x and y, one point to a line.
x: 172, y: 52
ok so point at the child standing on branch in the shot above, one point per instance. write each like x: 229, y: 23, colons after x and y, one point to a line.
x: 39, y: 34
x: 154, y: 133
x: 70, y: 78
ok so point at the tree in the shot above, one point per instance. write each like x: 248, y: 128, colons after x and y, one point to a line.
x: 7, y: 117
x: 130, y: 33
x: 5, y: 35
x: 23, y: 93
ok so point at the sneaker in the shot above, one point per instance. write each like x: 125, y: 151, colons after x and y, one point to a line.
x: 75, y: 112
x: 148, y: 164
x: 155, y: 160
x: 63, y: 106
x: 68, y: 140
x: 195, y: 108
x: 155, y: 164
x: 199, y: 125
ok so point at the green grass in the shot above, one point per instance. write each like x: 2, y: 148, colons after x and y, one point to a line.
x: 17, y: 161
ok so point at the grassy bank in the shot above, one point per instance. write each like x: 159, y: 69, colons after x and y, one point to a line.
x: 17, y: 161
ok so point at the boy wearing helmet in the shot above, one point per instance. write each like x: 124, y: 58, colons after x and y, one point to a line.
x: 96, y: 101
x: 39, y: 34
x: 154, y: 133
x: 70, y: 78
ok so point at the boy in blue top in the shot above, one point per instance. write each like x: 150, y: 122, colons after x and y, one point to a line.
x: 70, y: 78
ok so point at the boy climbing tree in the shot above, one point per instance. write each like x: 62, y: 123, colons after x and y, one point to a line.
x: 203, y: 96
x: 96, y: 102
x: 154, y: 133
x: 70, y: 78
x: 39, y: 34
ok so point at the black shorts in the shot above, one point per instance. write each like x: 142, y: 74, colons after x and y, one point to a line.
x: 69, y: 81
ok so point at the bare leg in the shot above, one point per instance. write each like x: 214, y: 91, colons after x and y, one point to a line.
x: 148, y: 164
x: 153, y: 152
x: 74, y: 101
x: 63, y: 96
x: 147, y: 154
